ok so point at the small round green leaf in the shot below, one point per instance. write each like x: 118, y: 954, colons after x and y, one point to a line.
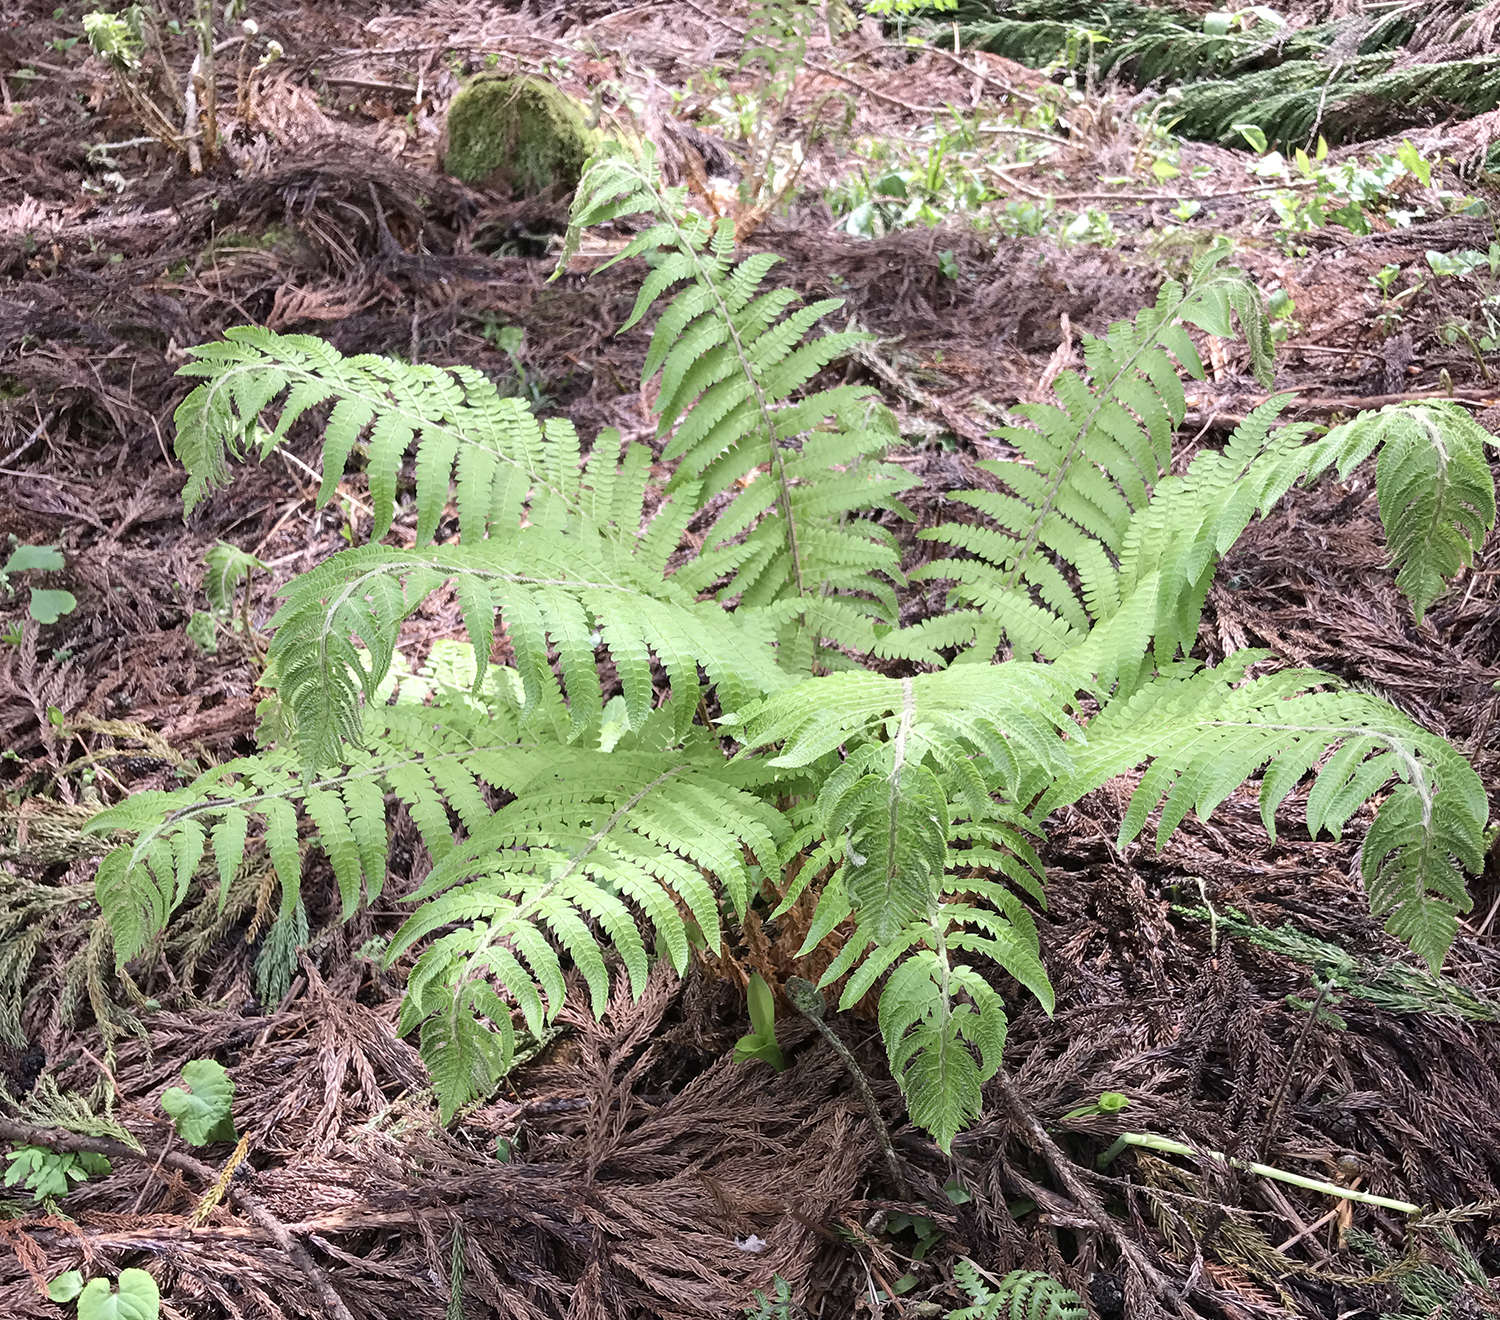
x: 49, y: 606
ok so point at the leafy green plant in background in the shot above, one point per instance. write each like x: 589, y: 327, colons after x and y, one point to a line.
x: 227, y: 569
x: 770, y: 762
x: 49, y: 1174
x: 1346, y: 77
x: 886, y: 8
x: 45, y: 605
x: 1448, y: 1288
x: 779, y: 1305
x: 950, y: 170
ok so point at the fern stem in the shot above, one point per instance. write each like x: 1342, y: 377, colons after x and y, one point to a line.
x: 893, y: 801
x: 808, y: 1000
x: 1150, y: 1141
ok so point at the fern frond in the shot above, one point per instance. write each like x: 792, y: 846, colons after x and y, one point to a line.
x: 574, y: 594
x: 1020, y: 1295
x: 1050, y: 569
x: 908, y: 819
x: 1435, y: 487
x: 613, y: 843
x: 802, y: 472
x: 1203, y: 732
x: 463, y: 430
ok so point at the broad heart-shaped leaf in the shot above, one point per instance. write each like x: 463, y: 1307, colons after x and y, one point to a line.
x: 49, y: 606
x: 201, y: 1113
x: 138, y: 1298
x: 65, y: 1287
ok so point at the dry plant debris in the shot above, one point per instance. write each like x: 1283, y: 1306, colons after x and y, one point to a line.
x: 631, y: 1169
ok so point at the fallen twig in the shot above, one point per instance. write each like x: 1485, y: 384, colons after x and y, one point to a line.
x: 1150, y: 1141
x: 1064, y: 1170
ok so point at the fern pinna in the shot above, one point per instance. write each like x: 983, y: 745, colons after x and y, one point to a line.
x: 1019, y: 1295
x: 583, y: 805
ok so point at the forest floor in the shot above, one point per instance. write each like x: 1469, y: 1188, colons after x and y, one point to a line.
x: 1236, y: 991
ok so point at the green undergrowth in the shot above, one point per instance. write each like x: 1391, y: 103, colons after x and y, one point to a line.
x: 1356, y: 76
x: 654, y: 728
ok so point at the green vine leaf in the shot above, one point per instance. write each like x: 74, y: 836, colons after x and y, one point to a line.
x: 138, y: 1298
x: 201, y: 1113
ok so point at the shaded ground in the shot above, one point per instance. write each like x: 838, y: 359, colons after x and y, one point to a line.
x: 649, y: 1175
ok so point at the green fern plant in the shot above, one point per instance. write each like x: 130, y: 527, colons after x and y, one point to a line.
x: 1020, y: 1295
x: 1434, y: 485
x: 586, y: 808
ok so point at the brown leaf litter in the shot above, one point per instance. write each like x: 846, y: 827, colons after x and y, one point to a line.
x: 645, y: 1173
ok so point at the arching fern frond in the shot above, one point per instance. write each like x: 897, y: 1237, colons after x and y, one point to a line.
x: 802, y: 472
x: 577, y: 593
x: 590, y: 843
x: 433, y: 766
x: 1436, y: 490
x: 455, y: 417
x: 1203, y: 732
x: 1088, y: 465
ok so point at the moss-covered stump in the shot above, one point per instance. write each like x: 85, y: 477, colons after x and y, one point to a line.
x: 520, y: 134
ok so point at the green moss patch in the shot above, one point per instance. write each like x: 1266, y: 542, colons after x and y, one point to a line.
x: 522, y: 134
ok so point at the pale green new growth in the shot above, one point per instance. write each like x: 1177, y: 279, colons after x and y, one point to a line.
x: 1020, y: 1295
x: 584, y: 810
